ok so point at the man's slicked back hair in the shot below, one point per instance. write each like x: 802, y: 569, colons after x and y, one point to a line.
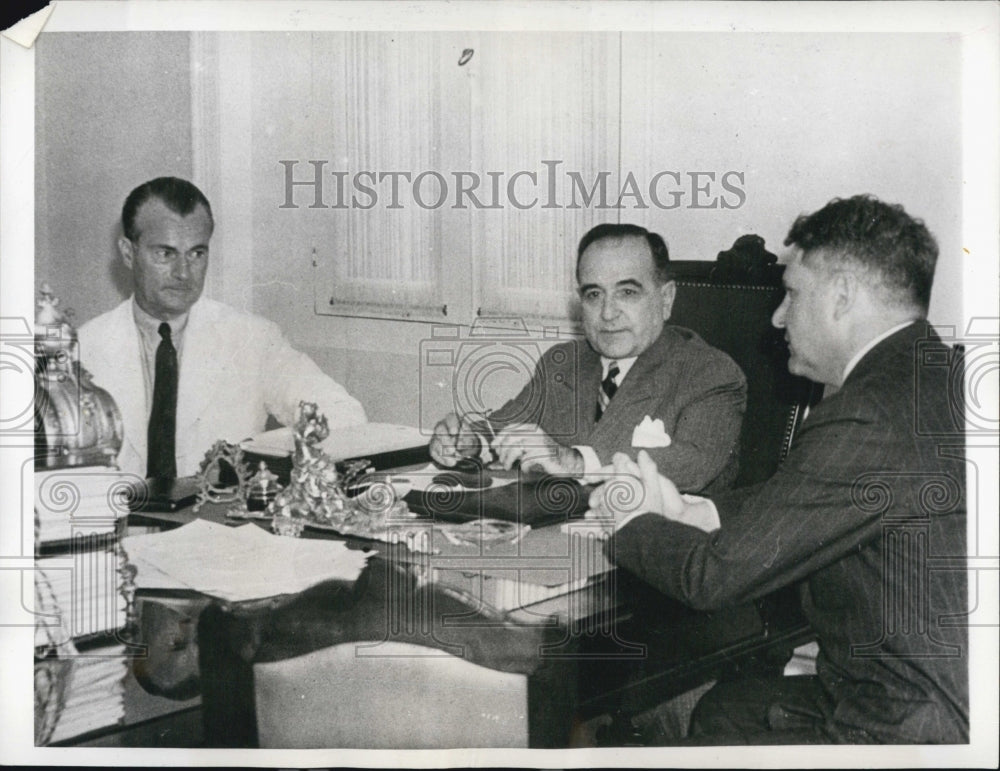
x: 880, y: 237
x: 657, y: 246
x: 179, y: 195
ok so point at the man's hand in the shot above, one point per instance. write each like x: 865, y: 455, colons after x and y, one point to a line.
x: 637, y: 487
x: 535, y: 450
x: 453, y: 440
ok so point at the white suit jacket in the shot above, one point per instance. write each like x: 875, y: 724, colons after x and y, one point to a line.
x: 235, y: 370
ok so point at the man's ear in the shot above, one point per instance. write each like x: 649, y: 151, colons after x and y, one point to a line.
x: 845, y: 289
x: 125, y: 249
x: 669, y: 292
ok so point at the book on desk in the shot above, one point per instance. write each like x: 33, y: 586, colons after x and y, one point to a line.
x: 384, y: 445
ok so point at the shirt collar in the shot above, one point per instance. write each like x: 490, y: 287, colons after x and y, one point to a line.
x: 624, y: 365
x: 150, y: 325
x: 871, y: 344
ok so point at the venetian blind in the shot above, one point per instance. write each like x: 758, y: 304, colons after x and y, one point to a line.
x: 546, y: 104
x: 389, y: 113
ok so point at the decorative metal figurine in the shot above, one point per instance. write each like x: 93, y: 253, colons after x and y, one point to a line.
x: 314, y: 490
x: 209, y: 475
x: 263, y: 488
x: 318, y: 493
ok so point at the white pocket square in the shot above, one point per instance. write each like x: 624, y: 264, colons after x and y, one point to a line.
x: 650, y: 433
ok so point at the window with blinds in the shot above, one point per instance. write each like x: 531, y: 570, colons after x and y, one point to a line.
x: 469, y: 166
x: 545, y: 105
x: 434, y: 176
x: 388, y: 111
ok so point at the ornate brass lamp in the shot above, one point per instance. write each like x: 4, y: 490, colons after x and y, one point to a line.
x: 76, y: 423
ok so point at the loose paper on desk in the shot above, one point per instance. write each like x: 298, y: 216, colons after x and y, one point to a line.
x: 238, y: 564
x: 342, y: 443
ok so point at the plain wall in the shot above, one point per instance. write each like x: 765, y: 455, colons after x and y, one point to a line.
x: 111, y: 111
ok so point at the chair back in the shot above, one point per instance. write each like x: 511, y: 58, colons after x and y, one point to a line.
x: 732, y: 312
x: 392, y: 661
x: 393, y: 695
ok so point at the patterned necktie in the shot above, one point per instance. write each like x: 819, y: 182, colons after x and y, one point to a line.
x: 161, y: 460
x: 608, y: 388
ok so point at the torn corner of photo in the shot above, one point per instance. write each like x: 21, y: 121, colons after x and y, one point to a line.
x: 25, y: 31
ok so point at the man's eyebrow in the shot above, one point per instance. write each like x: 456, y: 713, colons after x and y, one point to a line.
x: 587, y: 287
x: 629, y: 282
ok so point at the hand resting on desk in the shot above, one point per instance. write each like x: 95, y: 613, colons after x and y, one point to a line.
x: 635, y: 488
x: 533, y: 449
x: 523, y: 445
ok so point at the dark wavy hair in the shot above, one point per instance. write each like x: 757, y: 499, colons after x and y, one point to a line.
x: 657, y: 246
x: 879, y: 237
x: 179, y: 195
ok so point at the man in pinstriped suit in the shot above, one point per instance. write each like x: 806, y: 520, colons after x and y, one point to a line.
x: 868, y: 511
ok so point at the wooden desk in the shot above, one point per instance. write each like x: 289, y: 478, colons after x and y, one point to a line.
x: 613, y: 644
x: 423, y: 599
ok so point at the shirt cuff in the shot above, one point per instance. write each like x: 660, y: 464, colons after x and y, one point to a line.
x: 591, y: 464
x: 692, y: 499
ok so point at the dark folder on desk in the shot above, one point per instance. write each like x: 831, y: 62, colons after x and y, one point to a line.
x: 546, y: 501
x: 164, y: 494
x: 282, y: 464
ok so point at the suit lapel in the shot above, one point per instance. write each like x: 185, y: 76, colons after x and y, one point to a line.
x: 641, y: 387
x: 195, y: 386
x: 589, y: 380
x: 638, y: 392
x: 130, y: 386
x: 642, y: 382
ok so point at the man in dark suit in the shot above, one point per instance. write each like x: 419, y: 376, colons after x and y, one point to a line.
x: 635, y: 382
x: 868, y: 511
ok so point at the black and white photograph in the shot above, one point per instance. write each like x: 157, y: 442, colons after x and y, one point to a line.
x: 530, y: 384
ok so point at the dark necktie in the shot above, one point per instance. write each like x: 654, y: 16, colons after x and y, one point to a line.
x: 161, y: 460
x: 608, y: 388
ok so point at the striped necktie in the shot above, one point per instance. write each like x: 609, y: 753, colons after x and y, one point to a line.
x: 608, y: 388
x: 161, y: 460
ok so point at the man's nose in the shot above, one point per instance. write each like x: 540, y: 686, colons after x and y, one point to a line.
x: 609, y: 309
x: 778, y: 319
x: 180, y: 268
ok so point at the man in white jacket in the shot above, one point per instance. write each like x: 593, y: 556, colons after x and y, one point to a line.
x: 186, y: 371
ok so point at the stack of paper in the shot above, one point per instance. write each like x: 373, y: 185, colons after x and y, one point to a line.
x: 238, y: 564
x: 343, y: 443
x: 94, y: 696
x: 84, y: 500
x: 77, y: 589
x: 84, y: 586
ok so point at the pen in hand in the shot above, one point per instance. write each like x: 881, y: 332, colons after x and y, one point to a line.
x: 489, y: 427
